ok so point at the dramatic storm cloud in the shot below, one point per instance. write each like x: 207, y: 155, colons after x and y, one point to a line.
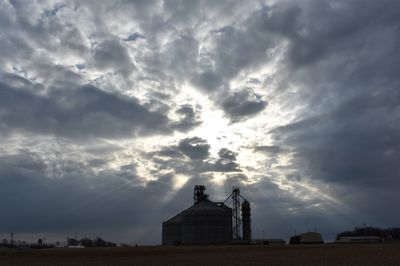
x: 111, y: 111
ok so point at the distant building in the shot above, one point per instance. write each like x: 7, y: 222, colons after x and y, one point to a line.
x: 359, y: 239
x: 307, y: 238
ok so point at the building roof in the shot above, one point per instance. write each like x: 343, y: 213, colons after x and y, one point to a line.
x: 203, y: 205
x: 176, y: 219
x: 310, y: 234
x: 307, y: 237
x: 207, y: 205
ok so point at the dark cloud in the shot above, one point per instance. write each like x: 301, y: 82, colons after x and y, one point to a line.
x: 254, y: 81
x: 333, y: 29
x: 179, y: 56
x: 235, y: 179
x: 111, y: 54
x: 39, y: 33
x: 195, y: 148
x: 197, y: 160
x: 133, y: 37
x: 242, y: 104
x: 269, y: 149
x: 74, y: 201
x: 190, y: 118
x: 78, y: 113
x: 171, y: 152
x: 227, y: 155
x: 356, y: 143
x: 237, y: 49
x: 347, y: 131
x: 208, y: 81
x: 226, y: 162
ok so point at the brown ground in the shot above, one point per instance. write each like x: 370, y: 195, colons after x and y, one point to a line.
x: 344, y: 254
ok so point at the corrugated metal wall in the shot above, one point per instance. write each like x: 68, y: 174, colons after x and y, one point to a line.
x: 207, y: 227
x: 172, y: 233
x: 205, y: 223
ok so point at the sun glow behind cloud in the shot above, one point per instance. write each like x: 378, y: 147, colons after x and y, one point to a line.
x: 179, y: 181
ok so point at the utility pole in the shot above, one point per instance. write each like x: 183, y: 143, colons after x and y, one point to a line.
x: 12, y: 238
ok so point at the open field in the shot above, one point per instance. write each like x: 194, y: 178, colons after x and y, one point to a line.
x: 330, y: 254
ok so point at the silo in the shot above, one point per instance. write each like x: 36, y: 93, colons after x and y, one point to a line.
x: 207, y: 222
x: 246, y: 221
x: 204, y: 223
x: 172, y: 231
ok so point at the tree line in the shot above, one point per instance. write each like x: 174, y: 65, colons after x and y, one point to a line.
x: 89, y: 243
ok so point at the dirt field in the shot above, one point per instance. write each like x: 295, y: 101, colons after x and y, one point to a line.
x: 345, y: 254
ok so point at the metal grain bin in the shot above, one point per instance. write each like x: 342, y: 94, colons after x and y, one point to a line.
x: 207, y: 223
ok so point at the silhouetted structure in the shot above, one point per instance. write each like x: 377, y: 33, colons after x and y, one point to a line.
x: 12, y: 238
x: 272, y: 241
x: 199, y: 194
x: 307, y: 238
x: 245, y: 230
x: 359, y: 239
x: 387, y: 234
x: 207, y: 222
x: 246, y: 221
x: 236, y: 213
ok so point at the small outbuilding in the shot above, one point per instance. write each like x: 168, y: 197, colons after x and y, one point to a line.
x: 307, y: 238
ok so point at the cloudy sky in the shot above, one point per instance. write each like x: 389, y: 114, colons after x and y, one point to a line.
x: 111, y: 111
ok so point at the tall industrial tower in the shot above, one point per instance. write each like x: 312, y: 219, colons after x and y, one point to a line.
x: 244, y: 220
x: 236, y: 213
